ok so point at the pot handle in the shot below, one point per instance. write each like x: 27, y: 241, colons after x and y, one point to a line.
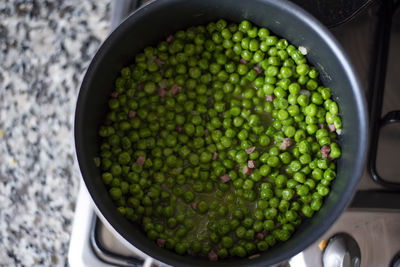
x: 149, y: 262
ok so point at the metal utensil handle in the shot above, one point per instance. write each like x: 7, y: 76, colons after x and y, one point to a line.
x: 108, y: 256
x: 120, y: 10
x: 377, y: 89
x: 389, y: 118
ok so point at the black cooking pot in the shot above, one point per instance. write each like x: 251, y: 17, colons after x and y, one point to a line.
x: 151, y: 24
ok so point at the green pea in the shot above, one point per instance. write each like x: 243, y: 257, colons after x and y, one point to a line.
x: 304, y: 147
x: 322, y: 190
x: 286, y: 72
x: 302, y: 69
x: 266, y: 193
x: 248, y: 184
x: 333, y: 108
x: 335, y: 152
x: 239, y: 251
x: 254, y: 45
x: 302, y: 190
x: 316, y: 204
x: 303, y: 100
x: 202, y: 207
x: 188, y: 196
x: 307, y: 211
x: 293, y: 110
x: 273, y: 161
x: 290, y: 131
x: 295, y: 165
x: 305, y: 158
x: 287, y: 193
x: 271, y: 40
x: 115, y: 193
x: 254, y: 120
x: 322, y: 163
x: 311, y: 84
x: 299, y: 177
x: 325, y: 93
x: 243, y: 134
x: 241, y: 156
x: 310, y: 110
x: 262, y: 246
x: 270, y: 213
x: 280, y: 181
x: 311, y: 128
x: 107, y: 177
x: 337, y: 122
x: 317, y: 174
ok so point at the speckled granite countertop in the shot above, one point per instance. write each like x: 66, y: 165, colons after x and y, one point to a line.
x: 45, y: 47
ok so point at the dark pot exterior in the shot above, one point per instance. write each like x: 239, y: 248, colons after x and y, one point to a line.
x: 151, y: 24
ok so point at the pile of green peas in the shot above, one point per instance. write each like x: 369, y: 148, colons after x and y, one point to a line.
x: 219, y: 141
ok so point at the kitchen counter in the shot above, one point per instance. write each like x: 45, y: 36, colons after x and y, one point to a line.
x: 45, y: 48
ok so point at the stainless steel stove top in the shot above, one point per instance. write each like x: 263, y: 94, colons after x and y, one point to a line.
x: 373, y: 218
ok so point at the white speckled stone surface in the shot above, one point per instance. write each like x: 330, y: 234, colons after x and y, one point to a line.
x: 45, y: 47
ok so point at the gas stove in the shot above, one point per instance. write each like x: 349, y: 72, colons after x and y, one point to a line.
x: 368, y: 232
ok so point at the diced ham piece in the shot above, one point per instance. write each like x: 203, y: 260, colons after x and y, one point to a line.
x: 114, y: 94
x: 258, y: 69
x: 287, y: 142
x: 162, y: 92
x: 131, y: 114
x: 321, y: 126
x: 260, y: 236
x: 140, y: 160
x: 325, y: 150
x: 332, y: 127
x: 250, y: 150
x: 161, y: 242
x: 251, y: 164
x: 269, y: 98
x: 179, y: 128
x: 247, y: 170
x: 206, y: 132
x: 215, y: 156
x: 225, y: 178
x: 170, y: 38
x: 175, y: 89
x: 212, y: 256
x: 194, y: 205
x: 243, y: 61
x: 159, y: 62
